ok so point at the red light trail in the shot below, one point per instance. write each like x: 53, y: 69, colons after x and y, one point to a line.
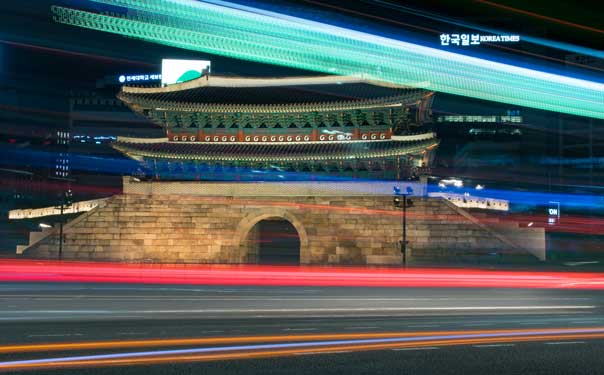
x: 106, y: 59
x: 194, y: 274
x: 540, y: 16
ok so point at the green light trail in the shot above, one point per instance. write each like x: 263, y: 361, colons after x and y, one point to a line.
x: 282, y: 40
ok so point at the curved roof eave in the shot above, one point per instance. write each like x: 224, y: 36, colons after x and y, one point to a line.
x: 239, y: 82
x: 191, y: 155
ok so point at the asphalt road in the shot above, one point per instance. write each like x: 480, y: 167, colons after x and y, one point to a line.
x: 517, y: 359
x: 57, y: 313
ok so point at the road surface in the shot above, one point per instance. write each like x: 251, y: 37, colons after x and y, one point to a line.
x: 34, y: 314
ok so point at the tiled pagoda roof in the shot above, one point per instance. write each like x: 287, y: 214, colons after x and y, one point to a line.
x: 271, y: 152
x: 291, y: 94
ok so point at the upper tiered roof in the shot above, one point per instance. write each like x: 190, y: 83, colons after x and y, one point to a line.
x: 210, y: 92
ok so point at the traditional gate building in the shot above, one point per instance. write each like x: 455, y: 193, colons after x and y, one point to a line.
x: 330, y: 124
x: 231, y: 128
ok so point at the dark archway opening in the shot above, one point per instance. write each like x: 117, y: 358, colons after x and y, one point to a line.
x: 274, y: 241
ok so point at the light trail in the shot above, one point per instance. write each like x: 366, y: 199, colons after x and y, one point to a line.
x: 373, y: 16
x: 110, y: 60
x: 540, y: 16
x: 56, y: 271
x: 119, y: 344
x: 525, y: 38
x: 282, y: 349
x: 253, y: 34
x: 567, y: 224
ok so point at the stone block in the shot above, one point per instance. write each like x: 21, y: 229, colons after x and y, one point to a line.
x: 384, y: 259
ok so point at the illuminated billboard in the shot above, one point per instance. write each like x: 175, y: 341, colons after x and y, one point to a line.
x: 177, y: 71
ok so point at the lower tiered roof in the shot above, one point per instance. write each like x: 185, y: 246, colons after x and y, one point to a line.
x: 270, y: 152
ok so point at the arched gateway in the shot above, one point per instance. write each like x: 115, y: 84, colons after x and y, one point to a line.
x: 273, y: 241
x: 288, y: 239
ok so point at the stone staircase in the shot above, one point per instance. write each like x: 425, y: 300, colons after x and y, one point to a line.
x: 34, y: 237
x: 440, y: 232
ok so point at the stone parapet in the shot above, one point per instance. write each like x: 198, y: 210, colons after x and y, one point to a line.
x: 269, y: 189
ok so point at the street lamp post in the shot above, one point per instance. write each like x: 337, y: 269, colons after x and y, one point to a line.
x: 404, y: 203
x: 61, y: 228
x: 65, y: 200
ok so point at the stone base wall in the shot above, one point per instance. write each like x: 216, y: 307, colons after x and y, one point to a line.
x: 332, y: 230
